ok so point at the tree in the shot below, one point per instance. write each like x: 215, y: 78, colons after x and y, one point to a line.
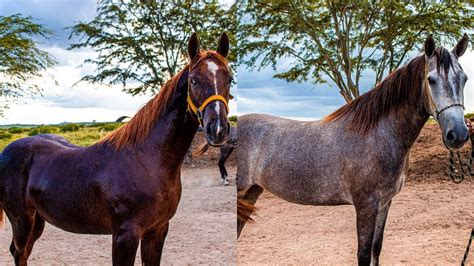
x: 339, y: 40
x: 21, y: 60
x: 141, y: 44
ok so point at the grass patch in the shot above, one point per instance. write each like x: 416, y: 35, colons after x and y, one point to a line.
x: 78, y: 134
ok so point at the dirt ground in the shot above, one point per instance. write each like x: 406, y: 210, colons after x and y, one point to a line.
x: 429, y: 222
x: 202, y: 231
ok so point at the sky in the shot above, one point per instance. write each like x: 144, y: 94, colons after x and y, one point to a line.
x: 65, y: 102
x: 260, y: 93
x: 257, y: 90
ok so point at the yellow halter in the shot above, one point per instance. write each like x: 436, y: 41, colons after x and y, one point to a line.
x: 199, y: 110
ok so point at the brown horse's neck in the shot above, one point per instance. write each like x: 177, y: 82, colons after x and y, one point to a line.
x: 171, y: 137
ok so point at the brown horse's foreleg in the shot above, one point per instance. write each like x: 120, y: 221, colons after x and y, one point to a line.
x: 125, y: 245
x: 152, y: 246
x: 366, y: 222
x: 379, y: 229
x: 251, y: 197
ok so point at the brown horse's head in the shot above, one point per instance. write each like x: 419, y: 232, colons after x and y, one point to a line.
x: 209, y: 86
x: 445, y: 87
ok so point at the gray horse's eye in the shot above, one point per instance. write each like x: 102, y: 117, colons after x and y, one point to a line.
x: 432, y: 80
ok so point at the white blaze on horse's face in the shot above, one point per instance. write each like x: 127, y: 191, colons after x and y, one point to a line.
x: 213, y: 67
x: 446, y: 81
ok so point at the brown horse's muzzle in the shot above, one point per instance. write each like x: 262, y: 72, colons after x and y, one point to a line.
x: 215, y: 123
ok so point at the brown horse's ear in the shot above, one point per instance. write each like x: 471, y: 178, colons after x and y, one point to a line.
x: 223, y: 47
x: 193, y: 46
x: 461, y: 46
x: 231, y: 96
x: 430, y: 46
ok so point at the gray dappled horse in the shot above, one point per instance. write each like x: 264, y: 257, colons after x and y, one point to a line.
x: 358, y: 154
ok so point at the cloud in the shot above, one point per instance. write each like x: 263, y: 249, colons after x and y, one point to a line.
x: 82, y: 102
x: 54, y: 15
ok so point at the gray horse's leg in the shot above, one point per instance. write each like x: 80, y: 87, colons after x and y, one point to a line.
x: 367, y: 214
x: 379, y: 230
x: 250, y: 197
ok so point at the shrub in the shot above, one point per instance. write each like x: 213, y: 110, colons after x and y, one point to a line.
x: 69, y: 127
x: 5, y: 135
x: 17, y: 130
x: 110, y: 127
x: 43, y: 130
x: 233, y: 118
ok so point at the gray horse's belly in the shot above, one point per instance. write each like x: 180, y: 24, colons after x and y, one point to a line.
x: 306, y: 189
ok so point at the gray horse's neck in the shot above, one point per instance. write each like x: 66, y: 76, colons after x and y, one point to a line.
x: 406, y: 124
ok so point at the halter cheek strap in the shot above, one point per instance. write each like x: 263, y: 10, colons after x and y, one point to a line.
x: 200, y: 110
x: 446, y: 108
x: 438, y: 112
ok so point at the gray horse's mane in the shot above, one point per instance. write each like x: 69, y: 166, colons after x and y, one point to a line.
x: 401, y: 88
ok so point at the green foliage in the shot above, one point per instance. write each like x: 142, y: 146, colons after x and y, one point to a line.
x: 233, y: 120
x: 43, y: 130
x: 469, y: 115
x: 16, y: 130
x: 110, y: 127
x: 146, y: 43
x: 20, y: 58
x: 339, y: 40
x: 5, y: 135
x: 85, y: 136
x: 69, y: 127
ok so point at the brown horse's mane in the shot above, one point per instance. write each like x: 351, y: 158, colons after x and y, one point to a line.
x: 399, y: 88
x: 139, y: 127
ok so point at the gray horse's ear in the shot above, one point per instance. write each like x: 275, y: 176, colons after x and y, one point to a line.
x: 223, y: 46
x: 430, y: 46
x: 193, y: 46
x: 461, y: 46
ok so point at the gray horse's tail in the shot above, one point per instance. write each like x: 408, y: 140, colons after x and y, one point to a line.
x: 201, y: 150
x: 245, y: 210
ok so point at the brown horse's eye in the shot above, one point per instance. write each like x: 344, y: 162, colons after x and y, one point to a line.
x: 193, y: 81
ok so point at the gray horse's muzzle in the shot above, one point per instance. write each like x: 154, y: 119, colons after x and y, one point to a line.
x: 454, y: 129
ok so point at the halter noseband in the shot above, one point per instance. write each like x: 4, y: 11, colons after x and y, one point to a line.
x: 200, y: 110
x: 446, y: 108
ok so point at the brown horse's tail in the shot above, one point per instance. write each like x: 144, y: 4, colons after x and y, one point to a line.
x: 245, y: 210
x: 201, y: 150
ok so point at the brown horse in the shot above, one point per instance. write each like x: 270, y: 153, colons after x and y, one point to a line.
x: 128, y: 184
x: 359, y: 154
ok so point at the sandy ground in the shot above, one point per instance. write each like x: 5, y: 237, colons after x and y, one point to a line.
x: 429, y: 223
x: 202, y: 231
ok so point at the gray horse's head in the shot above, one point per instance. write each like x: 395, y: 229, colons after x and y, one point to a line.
x: 445, y: 82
